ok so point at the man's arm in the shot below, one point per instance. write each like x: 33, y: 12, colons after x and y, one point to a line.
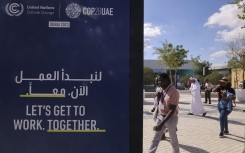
x: 234, y: 94
x: 170, y: 113
x: 216, y: 89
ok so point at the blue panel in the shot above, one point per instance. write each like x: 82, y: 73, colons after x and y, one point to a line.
x: 64, y: 76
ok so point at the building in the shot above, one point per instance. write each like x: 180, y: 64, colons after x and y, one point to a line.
x: 236, y: 77
x: 159, y: 67
x: 223, y: 69
x: 184, y: 70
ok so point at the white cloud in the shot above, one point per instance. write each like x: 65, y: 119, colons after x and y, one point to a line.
x: 218, y: 54
x: 227, y: 18
x: 151, y: 30
x: 149, y: 47
x: 228, y: 35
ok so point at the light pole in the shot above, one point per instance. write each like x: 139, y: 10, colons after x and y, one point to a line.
x: 203, y: 70
x: 203, y: 74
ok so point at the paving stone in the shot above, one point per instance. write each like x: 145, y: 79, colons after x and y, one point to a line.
x: 199, y: 134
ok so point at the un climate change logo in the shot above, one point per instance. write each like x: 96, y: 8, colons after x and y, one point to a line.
x: 14, y: 9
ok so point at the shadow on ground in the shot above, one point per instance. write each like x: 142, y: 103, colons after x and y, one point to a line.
x: 191, y: 149
x: 230, y: 121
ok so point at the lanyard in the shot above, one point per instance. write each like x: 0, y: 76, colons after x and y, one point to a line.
x: 165, y: 93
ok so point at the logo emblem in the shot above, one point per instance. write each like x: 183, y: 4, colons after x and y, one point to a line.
x: 73, y: 10
x: 14, y: 9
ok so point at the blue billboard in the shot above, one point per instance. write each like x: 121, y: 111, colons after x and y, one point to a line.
x: 65, y: 76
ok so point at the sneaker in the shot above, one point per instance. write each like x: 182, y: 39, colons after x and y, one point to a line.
x: 189, y: 114
x: 226, y: 132
x: 221, y: 134
x: 153, y: 109
x: 163, y: 137
x: 204, y: 114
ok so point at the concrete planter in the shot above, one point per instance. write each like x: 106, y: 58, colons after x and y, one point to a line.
x: 240, y: 95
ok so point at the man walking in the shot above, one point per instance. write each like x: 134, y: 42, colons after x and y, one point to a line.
x: 167, y: 116
x: 196, y: 102
x: 208, y: 89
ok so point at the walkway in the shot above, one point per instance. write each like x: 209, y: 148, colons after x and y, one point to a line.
x: 199, y: 134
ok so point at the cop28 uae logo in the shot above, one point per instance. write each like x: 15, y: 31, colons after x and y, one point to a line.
x: 14, y: 9
x: 73, y: 10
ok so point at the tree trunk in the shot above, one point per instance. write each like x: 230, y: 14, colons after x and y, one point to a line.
x: 171, y: 76
x: 243, y: 82
x: 236, y: 78
x: 175, y: 79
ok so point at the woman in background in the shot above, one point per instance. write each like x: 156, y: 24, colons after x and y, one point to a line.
x: 226, y: 94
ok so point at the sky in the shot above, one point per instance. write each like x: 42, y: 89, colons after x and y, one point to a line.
x: 204, y: 27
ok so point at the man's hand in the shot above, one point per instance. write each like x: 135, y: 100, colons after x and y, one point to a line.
x: 165, y: 118
x: 158, y: 127
x: 155, y: 128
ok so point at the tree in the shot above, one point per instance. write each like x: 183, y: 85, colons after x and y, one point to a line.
x: 185, y: 79
x: 236, y: 52
x: 149, y: 76
x: 241, y: 5
x: 199, y: 65
x: 146, y: 43
x: 172, y: 57
x: 214, y: 77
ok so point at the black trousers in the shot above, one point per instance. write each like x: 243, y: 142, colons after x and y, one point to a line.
x: 208, y: 96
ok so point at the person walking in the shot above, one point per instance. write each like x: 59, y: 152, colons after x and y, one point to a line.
x: 208, y: 87
x: 226, y: 94
x: 157, y: 95
x: 154, y: 110
x: 196, y: 102
x: 167, y: 116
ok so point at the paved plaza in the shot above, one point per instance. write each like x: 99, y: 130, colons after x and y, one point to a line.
x: 199, y: 134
